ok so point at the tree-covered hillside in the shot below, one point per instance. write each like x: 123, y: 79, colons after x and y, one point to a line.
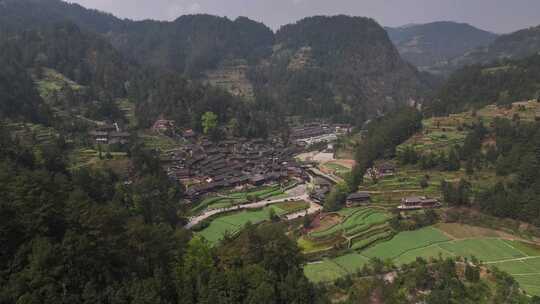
x: 426, y: 45
x: 516, y: 45
x: 19, y: 99
x: 190, y: 44
x: 501, y: 82
x: 341, y: 67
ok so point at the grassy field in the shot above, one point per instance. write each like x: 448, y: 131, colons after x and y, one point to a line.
x: 128, y: 108
x: 233, y: 223
x: 52, y: 82
x: 389, y: 191
x: 521, y: 260
x: 325, y: 271
x: 119, y: 162
x: 405, y: 242
x: 486, y: 250
x: 292, y: 207
x: 337, y: 169
x: 527, y: 270
x: 358, y: 220
x: 158, y: 142
x: 442, y: 133
x: 309, y: 246
x: 445, y: 240
x: 29, y: 133
x: 228, y: 199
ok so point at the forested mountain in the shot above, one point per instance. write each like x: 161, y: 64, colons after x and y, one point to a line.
x: 193, y: 44
x: 19, y: 99
x: 515, y: 45
x: 84, y: 57
x: 342, y: 67
x: 172, y: 95
x: 347, y: 76
x: 426, y: 45
x: 190, y: 44
x: 501, y: 82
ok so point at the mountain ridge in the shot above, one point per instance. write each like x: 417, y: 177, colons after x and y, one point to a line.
x: 349, y: 79
x: 430, y: 44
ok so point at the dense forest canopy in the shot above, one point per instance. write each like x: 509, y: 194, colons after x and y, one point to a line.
x: 88, y: 234
x: 501, y: 82
x: 427, y: 45
x: 323, y: 62
x: 19, y: 98
x: 338, y: 82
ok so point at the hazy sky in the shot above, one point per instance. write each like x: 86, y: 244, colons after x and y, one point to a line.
x: 495, y: 15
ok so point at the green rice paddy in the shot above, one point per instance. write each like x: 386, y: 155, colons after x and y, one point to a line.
x: 236, y: 198
x: 233, y: 223
x: 519, y: 259
x: 356, y: 221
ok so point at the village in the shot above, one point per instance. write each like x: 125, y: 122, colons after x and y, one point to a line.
x: 210, y: 169
x: 235, y: 181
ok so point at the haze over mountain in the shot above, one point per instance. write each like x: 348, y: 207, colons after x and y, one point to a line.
x: 491, y: 15
x: 519, y: 44
x: 426, y: 45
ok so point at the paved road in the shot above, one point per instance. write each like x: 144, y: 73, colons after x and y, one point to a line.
x: 298, y: 193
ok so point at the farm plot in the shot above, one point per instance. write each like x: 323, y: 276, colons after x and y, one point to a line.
x: 519, y: 259
x: 324, y: 271
x: 529, y: 283
x: 234, y: 222
x: 405, y: 242
x: 486, y: 250
x: 332, y: 269
x: 359, y: 219
x: 336, y: 168
x: 292, y: 207
x: 433, y: 251
x: 525, y: 270
x: 520, y: 267
x: 352, y: 262
x: 236, y: 198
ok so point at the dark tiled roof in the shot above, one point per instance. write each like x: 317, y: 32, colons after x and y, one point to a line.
x: 359, y: 196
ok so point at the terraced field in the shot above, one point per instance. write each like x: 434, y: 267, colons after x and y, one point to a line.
x: 33, y: 133
x: 236, y: 198
x: 519, y: 259
x: 337, y: 169
x: 233, y: 223
x: 525, y: 270
x: 404, y: 242
x: 356, y: 221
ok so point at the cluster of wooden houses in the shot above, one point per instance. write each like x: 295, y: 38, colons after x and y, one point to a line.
x: 318, y: 132
x: 407, y: 203
x: 109, y: 135
x: 209, y: 167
